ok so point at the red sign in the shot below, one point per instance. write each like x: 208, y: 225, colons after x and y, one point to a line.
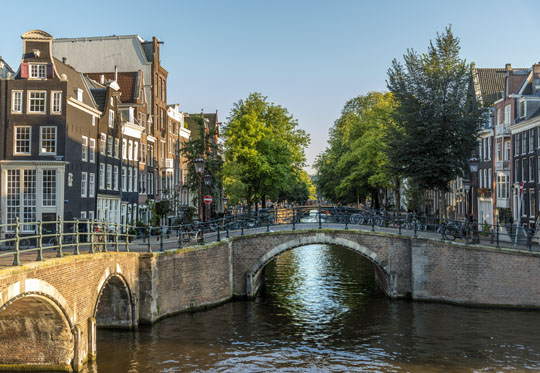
x: 521, y: 187
x: 207, y: 199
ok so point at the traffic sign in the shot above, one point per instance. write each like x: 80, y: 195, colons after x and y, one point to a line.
x: 207, y: 199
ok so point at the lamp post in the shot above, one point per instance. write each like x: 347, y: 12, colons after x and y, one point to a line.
x: 207, y: 182
x: 467, y: 187
x: 199, y: 169
x: 473, y: 166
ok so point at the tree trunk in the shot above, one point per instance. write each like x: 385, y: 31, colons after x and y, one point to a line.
x: 397, y: 193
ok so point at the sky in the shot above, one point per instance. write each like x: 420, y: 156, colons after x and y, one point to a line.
x: 307, y: 56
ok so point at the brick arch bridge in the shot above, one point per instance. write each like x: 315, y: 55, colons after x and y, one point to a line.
x: 49, y: 310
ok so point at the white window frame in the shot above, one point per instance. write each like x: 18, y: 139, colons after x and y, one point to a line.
x: 84, y: 150
x: 108, y: 179
x: 124, y: 179
x: 17, y: 102
x: 124, y: 149
x: 28, y: 140
x: 56, y: 102
x: 110, y: 141
x: 84, y: 184
x: 130, y: 179
x: 29, y: 107
x: 507, y: 113
x: 111, y: 118
x: 135, y: 151
x: 91, y: 184
x: 531, y: 169
x: 39, y: 73
x: 135, y: 180
x: 130, y: 150
x: 117, y: 148
x: 44, y: 201
x: 102, y: 176
x: 102, y: 144
x: 115, y: 178
x: 41, y: 152
x: 92, y: 153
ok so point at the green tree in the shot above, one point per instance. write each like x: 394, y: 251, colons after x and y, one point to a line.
x: 436, y: 114
x: 355, y: 164
x: 264, y: 150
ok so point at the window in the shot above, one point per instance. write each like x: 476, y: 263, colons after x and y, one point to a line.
x: 502, y: 187
x: 84, y: 184
x: 130, y: 150
x: 110, y: 146
x: 124, y: 149
x: 47, y: 140
x: 488, y: 140
x: 531, y: 168
x: 143, y: 153
x: 130, y: 179
x: 115, y: 178
x: 523, y: 169
x: 109, y: 177
x: 532, y: 202
x: 84, y: 145
x: 92, y: 150
x: 49, y: 187
x: 102, y: 142
x: 162, y: 153
x: 16, y: 101
x: 36, y: 102
x: 524, y: 143
x: 101, y: 176
x: 111, y: 118
x: 21, y: 202
x: 22, y: 140
x: 507, y: 111
x: 507, y: 150
x: 490, y: 181
x: 499, y: 117
x: 56, y: 107
x: 38, y: 71
x: 135, y: 183
x: 516, y: 144
x: 124, y: 179
x: 135, y: 150
x: 531, y: 141
x: 116, y: 148
x: 79, y: 95
x: 93, y: 121
x: 498, y: 156
x: 516, y: 171
x: 150, y: 160
x: 91, y: 184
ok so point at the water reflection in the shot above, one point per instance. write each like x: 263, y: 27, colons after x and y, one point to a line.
x: 321, y: 311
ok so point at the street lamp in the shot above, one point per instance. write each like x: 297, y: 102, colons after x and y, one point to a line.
x: 467, y: 187
x: 199, y: 169
x: 473, y: 166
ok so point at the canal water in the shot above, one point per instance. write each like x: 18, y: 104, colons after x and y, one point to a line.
x: 321, y: 311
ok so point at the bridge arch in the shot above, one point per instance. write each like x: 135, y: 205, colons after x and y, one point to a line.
x: 115, y: 303
x: 36, y: 328
x: 382, y: 272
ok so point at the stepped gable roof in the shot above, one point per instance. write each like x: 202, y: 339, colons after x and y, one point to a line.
x: 128, y: 82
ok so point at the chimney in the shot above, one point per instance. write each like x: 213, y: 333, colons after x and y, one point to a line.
x: 102, y: 79
x: 64, y: 59
x: 116, y: 73
x: 508, y: 67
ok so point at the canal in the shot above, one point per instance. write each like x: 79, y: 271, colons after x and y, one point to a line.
x: 321, y: 311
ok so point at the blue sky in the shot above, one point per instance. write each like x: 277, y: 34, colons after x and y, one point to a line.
x: 309, y: 56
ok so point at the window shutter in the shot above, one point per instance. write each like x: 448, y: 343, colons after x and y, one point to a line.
x: 24, y: 70
x: 50, y: 71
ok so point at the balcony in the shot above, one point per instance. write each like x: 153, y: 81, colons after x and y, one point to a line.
x: 502, y: 130
x: 502, y: 166
x: 503, y: 203
x: 167, y: 163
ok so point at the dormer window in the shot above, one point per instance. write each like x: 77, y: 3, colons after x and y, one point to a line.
x: 38, y: 71
x: 522, y: 109
x: 79, y: 95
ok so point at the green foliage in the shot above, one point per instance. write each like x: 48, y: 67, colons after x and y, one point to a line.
x: 436, y: 114
x: 355, y: 163
x: 264, y: 150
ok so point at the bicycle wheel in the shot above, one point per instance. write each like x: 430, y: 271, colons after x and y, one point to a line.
x: 448, y: 234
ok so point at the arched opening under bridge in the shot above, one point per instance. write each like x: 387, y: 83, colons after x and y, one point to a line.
x: 114, y: 306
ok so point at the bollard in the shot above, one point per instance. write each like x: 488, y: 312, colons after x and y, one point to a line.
x: 40, y: 238
x: 16, y: 259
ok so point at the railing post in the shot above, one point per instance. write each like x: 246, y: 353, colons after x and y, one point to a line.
x: 268, y: 224
x: 59, y: 238
x: 497, y: 234
x: 116, y: 236
x: 105, y: 236
x: 293, y: 219
x: 40, y: 244
x: 373, y: 221
x: 346, y: 220
x: 161, y: 239
x: 180, y: 240
x: 399, y: 222
x: 148, y: 230
x: 92, y: 237
x: 227, y: 230
x: 242, y: 228
x: 218, y: 235
x: 415, y: 222
x: 320, y: 221
x: 77, y: 252
x: 16, y: 259
x: 202, y: 235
